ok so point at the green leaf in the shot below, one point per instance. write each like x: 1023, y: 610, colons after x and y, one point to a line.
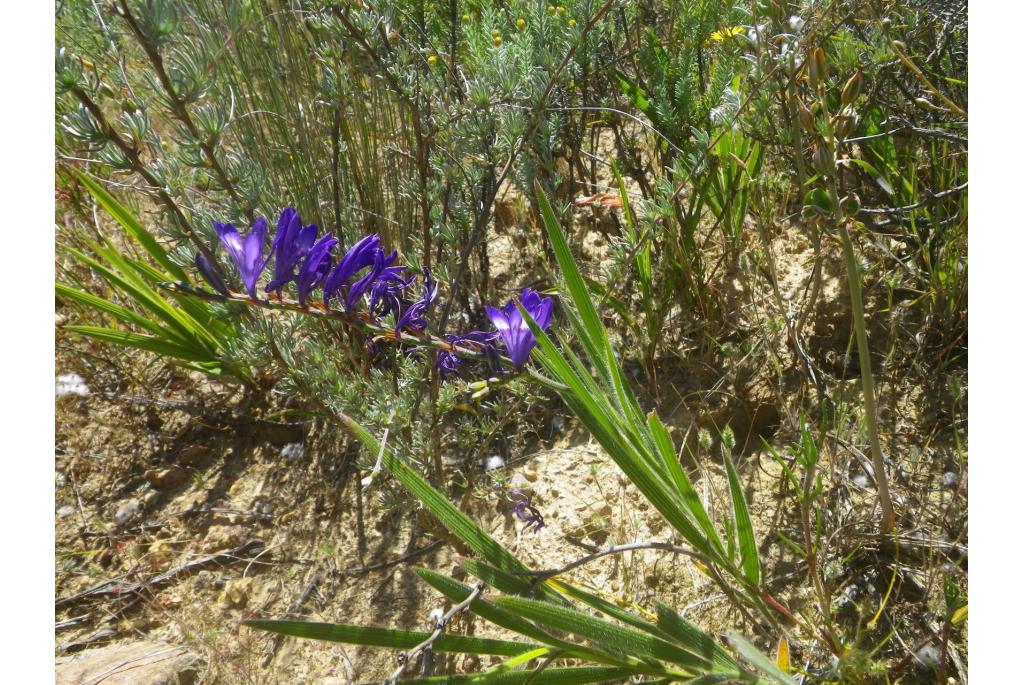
x: 592, y: 333
x: 457, y: 592
x: 162, y: 306
x: 549, y: 676
x: 387, y: 637
x: 105, y: 307
x: 682, y: 482
x: 618, y: 639
x: 604, y: 606
x: 693, y: 638
x: 179, y: 326
x: 144, y: 342
x: 448, y: 514
x: 744, y: 528
x: 600, y: 421
x: 132, y: 226
x: 761, y: 661
x: 634, y: 92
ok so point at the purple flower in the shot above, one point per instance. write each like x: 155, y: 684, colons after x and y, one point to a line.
x: 526, y: 512
x: 514, y: 331
x: 448, y: 362
x: 315, y: 267
x: 211, y: 275
x: 364, y: 284
x: 292, y: 242
x: 247, y: 252
x: 358, y: 257
x: 386, y: 293
x: 412, y: 317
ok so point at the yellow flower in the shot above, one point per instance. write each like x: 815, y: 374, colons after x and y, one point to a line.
x: 727, y: 33
x: 551, y: 9
x: 497, y: 41
x: 495, y: 33
x: 572, y: 22
x: 432, y: 59
x: 560, y: 10
x: 465, y: 18
x: 520, y: 24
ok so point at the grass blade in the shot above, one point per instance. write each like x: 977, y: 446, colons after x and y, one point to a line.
x: 627, y: 642
x: 132, y: 226
x: 749, y: 560
x: 759, y: 659
x: 388, y: 637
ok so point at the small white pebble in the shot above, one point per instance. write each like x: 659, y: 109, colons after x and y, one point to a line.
x: 796, y: 23
x: 66, y: 510
x: 72, y: 384
x: 493, y: 462
x: 293, y: 451
x: 860, y: 480
x: 435, y: 616
x: 928, y: 655
x: 949, y: 479
x: 127, y: 512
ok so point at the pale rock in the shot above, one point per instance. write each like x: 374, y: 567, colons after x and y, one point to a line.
x: 127, y: 511
x: 166, y: 478
x: 136, y: 663
x: 222, y: 537
x: 237, y: 592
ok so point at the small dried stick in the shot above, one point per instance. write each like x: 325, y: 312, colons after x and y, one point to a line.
x: 406, y: 657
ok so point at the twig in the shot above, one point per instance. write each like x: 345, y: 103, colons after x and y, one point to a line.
x: 368, y: 480
x: 70, y: 622
x: 292, y: 610
x: 406, y: 657
x: 119, y: 588
x: 932, y: 197
x: 618, y: 549
x: 359, y: 570
x: 181, y: 112
x: 103, y: 633
x: 131, y: 153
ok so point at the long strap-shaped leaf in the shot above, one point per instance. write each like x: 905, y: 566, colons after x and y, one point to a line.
x: 744, y: 527
x: 489, y: 611
x: 549, y: 676
x: 388, y: 637
x: 132, y: 226
x: 693, y: 638
x: 149, y: 343
x: 448, y: 514
x: 180, y: 327
x: 107, y: 307
x: 606, y: 635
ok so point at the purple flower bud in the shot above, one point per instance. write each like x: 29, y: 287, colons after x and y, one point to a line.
x: 358, y: 257
x: 448, y: 362
x: 315, y: 266
x: 211, y: 275
x: 412, y: 317
x: 386, y: 293
x: 364, y: 284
